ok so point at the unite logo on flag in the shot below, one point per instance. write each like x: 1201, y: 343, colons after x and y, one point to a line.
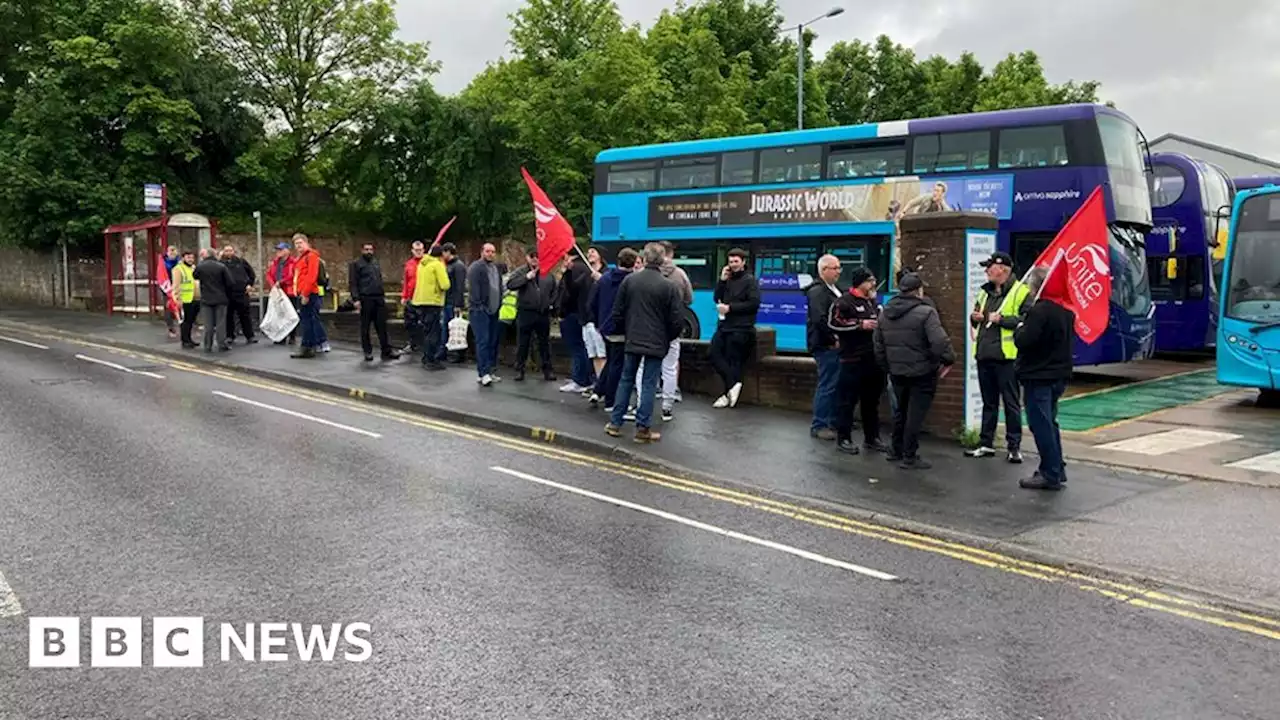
x: 1079, y: 263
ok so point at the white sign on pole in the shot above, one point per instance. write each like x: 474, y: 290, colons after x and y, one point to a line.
x: 126, y: 245
x: 979, y: 245
x: 152, y: 197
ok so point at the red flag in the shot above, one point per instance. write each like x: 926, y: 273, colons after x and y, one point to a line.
x: 166, y: 285
x: 443, y: 230
x: 555, y: 237
x: 1079, y: 263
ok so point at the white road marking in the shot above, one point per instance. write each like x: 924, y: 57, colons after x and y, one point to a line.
x: 122, y: 368
x: 1171, y: 441
x: 869, y: 572
x: 296, y: 414
x: 16, y: 341
x: 1262, y: 463
x: 9, y: 605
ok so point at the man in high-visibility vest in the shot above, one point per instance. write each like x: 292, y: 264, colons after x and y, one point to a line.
x: 184, y: 290
x: 1001, y: 304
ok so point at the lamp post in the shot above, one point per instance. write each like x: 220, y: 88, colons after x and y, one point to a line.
x: 800, y: 61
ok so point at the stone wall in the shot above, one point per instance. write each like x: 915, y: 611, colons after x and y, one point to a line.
x: 29, y: 277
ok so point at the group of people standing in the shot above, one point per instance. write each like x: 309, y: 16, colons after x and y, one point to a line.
x: 1022, y: 349
x: 215, y: 290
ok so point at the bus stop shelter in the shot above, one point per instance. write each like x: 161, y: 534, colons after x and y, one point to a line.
x: 133, y: 249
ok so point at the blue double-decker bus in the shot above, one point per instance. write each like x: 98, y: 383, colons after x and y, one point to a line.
x: 1184, y: 252
x: 1249, y: 311
x: 787, y: 198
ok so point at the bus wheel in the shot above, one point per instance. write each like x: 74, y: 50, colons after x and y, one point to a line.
x: 690, y: 328
x: 1268, y: 399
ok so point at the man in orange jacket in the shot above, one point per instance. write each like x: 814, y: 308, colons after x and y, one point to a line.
x: 306, y: 284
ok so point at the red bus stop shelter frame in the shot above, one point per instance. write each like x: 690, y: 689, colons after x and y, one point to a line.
x: 136, y: 280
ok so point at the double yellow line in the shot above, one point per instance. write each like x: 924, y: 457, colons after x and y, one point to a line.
x: 1133, y: 595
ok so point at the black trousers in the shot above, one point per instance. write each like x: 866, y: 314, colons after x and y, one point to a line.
x: 190, y: 311
x: 999, y: 382
x: 861, y: 384
x: 531, y: 326
x: 238, y: 310
x: 373, y: 311
x: 611, y: 375
x: 413, y: 324
x: 730, y: 350
x: 432, y: 323
x: 915, y: 396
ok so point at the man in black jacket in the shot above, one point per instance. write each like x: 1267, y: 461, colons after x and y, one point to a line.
x: 215, y: 294
x: 575, y: 290
x: 737, y: 299
x: 647, y: 311
x: 912, y: 346
x: 854, y: 318
x: 455, y: 299
x: 242, y: 281
x: 821, y: 342
x: 364, y: 280
x: 1044, y: 341
x: 535, y: 299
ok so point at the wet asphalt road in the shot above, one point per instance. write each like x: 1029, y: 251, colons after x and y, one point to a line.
x: 492, y: 595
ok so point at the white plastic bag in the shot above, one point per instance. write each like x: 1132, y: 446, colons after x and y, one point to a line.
x: 457, y: 335
x: 281, y: 318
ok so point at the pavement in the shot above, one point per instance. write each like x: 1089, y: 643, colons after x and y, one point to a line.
x: 1214, y: 540
x: 506, y: 577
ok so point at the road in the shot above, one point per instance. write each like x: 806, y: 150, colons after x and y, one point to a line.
x: 506, y: 579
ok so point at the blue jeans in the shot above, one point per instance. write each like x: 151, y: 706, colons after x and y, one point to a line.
x: 313, y: 334
x: 580, y: 365
x: 648, y: 389
x: 443, y: 353
x: 824, y: 395
x: 488, y: 332
x: 1041, y: 398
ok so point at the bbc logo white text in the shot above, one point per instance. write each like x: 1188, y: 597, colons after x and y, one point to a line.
x: 179, y: 642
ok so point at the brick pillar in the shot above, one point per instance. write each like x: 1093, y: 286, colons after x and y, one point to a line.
x: 944, y: 248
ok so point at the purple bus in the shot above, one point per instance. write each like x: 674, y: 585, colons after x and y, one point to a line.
x: 1183, y: 250
x: 787, y: 198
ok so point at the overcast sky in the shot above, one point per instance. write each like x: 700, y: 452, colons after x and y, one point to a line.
x: 1194, y: 67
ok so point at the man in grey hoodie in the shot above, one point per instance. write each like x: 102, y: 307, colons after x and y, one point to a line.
x: 671, y: 362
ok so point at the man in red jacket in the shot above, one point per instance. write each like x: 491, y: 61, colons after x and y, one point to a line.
x: 306, y: 277
x: 412, y: 315
x: 280, y: 272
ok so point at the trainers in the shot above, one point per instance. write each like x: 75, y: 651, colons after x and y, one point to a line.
x: 823, y: 434
x: 1015, y: 457
x: 875, y: 446
x: 571, y: 387
x: 609, y: 409
x: 915, y: 463
x: 1037, y: 482
x: 325, y: 347
x: 589, y: 392
x: 629, y: 415
x: 668, y: 415
x: 486, y: 381
x: 980, y: 452
x: 721, y: 402
x: 433, y: 367
x: 892, y: 456
x: 645, y: 435
x: 734, y: 392
x: 847, y: 447
x: 612, y: 430
x: 679, y: 396
x: 594, y: 400
x: 368, y: 357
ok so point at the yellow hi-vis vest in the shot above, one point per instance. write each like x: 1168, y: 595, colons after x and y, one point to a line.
x: 507, y: 311
x: 184, y: 282
x: 1012, y: 301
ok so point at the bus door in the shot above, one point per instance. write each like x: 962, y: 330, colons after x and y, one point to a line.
x: 701, y: 261
x: 784, y: 267
x: 1179, y: 289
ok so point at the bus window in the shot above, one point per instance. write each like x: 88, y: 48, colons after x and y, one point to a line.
x: 699, y: 263
x: 786, y: 268
x: 952, y: 152
x: 1254, y: 284
x: 1030, y: 147
x: 1195, y: 277
x: 688, y: 173
x: 738, y: 168
x: 631, y: 177
x: 867, y: 160
x: 1166, y: 185
x: 791, y: 164
x: 1163, y: 287
x: 851, y: 258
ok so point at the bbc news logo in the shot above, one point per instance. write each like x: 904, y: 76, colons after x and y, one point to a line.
x: 179, y: 642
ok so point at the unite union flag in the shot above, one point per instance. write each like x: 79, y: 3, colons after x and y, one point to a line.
x: 1079, y: 264
x: 166, y: 285
x: 555, y: 237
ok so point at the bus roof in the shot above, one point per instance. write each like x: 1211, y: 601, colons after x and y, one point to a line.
x: 868, y: 131
x: 1255, y: 181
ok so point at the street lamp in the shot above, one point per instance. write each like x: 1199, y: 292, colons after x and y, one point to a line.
x: 800, y: 61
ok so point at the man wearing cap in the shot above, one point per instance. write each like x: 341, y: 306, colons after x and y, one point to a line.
x: 1001, y: 305
x: 853, y: 319
x: 280, y: 274
x: 912, y: 346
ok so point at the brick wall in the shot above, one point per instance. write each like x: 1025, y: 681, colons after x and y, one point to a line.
x: 935, y: 246
x: 29, y: 277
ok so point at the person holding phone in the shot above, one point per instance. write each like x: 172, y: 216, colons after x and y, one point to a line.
x: 912, y: 346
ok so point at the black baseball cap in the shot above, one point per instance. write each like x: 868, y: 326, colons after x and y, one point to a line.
x: 999, y: 258
x: 910, y: 282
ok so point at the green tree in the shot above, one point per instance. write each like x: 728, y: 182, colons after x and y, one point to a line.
x: 316, y: 67
x: 1018, y: 81
x: 951, y: 88
x: 846, y: 78
x: 897, y: 83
